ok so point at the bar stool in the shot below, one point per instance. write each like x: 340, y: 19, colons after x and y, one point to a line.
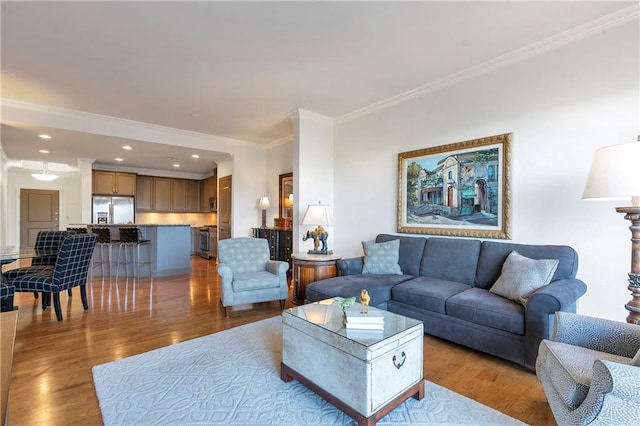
x: 103, y: 246
x: 130, y: 243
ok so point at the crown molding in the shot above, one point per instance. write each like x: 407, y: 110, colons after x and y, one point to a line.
x: 589, y: 29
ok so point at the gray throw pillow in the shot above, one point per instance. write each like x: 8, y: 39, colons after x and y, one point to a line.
x: 522, y: 276
x: 381, y: 258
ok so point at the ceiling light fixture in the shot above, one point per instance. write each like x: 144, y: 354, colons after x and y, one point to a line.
x: 176, y: 165
x: 127, y: 147
x: 43, y: 151
x: 119, y: 159
x: 195, y: 156
x: 44, y: 175
x: 43, y: 136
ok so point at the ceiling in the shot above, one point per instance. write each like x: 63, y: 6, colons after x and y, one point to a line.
x: 236, y: 69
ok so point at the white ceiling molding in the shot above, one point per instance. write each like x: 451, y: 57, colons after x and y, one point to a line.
x: 81, y: 121
x: 615, y: 19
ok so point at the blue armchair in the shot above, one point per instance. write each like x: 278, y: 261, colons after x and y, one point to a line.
x: 590, y: 371
x: 247, y: 275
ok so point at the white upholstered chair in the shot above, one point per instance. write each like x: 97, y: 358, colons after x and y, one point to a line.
x: 247, y: 275
x: 590, y: 371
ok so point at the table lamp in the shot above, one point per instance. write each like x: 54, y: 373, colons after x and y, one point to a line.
x: 264, y: 205
x: 615, y: 175
x: 319, y: 215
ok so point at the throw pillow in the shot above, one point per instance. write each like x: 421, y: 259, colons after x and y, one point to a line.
x: 381, y: 258
x: 522, y: 276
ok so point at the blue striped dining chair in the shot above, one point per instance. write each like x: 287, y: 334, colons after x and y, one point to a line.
x: 70, y: 270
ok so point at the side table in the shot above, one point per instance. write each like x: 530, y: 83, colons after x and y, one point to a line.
x: 308, y: 268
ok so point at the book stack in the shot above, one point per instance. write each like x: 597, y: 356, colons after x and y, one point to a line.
x: 356, y: 320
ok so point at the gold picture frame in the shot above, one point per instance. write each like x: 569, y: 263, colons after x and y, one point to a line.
x: 461, y: 189
x: 286, y: 195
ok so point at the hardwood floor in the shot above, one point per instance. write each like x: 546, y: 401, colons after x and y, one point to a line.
x: 52, y: 381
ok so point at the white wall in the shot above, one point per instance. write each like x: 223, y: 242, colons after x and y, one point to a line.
x: 69, y: 187
x: 279, y: 161
x: 561, y: 107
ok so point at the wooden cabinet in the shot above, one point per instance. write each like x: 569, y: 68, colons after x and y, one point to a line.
x: 224, y: 208
x: 157, y: 194
x: 161, y: 194
x: 144, y: 193
x: 309, y: 268
x: 114, y: 183
x: 209, y: 190
x: 280, y: 242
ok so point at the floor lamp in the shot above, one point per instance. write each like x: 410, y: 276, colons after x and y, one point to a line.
x: 615, y: 175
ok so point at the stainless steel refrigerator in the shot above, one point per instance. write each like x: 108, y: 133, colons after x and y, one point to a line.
x: 113, y: 209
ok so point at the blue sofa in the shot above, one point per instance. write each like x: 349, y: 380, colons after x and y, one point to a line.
x: 445, y: 283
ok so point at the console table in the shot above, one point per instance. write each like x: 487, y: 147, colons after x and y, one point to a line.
x: 308, y: 268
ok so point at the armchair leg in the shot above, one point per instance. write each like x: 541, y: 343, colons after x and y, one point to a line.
x: 282, y: 303
x: 226, y: 312
x: 56, y: 305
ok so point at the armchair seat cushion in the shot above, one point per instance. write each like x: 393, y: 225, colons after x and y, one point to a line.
x: 572, y: 368
x: 248, y: 281
x: 40, y: 282
x: 15, y: 273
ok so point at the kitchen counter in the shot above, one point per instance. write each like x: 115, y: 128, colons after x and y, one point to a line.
x: 169, y: 248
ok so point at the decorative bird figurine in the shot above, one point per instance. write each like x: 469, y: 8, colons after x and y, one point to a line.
x: 347, y: 303
x: 364, y: 301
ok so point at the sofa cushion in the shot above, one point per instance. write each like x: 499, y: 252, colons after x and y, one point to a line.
x: 378, y: 286
x: 450, y: 259
x: 427, y: 293
x: 411, y: 251
x: 381, y: 258
x: 572, y: 368
x: 522, y: 276
x: 482, y: 307
x: 493, y: 255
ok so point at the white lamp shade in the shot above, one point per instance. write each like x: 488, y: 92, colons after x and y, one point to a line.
x: 615, y: 174
x: 264, y: 203
x: 318, y: 214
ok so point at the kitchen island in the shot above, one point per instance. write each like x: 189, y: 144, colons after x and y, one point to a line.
x: 168, y: 248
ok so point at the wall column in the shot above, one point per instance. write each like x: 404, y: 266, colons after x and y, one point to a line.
x: 86, y: 177
x: 312, y: 170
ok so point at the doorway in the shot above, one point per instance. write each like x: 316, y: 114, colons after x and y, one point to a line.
x: 224, y: 207
x: 39, y: 211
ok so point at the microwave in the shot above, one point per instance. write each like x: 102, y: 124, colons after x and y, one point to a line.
x: 213, y: 204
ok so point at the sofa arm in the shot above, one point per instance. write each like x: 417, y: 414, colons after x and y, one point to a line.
x: 560, y: 295
x: 604, y: 335
x: 351, y: 266
x: 613, y: 397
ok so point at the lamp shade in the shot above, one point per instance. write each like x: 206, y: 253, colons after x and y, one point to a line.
x: 615, y: 174
x: 318, y: 214
x: 264, y: 202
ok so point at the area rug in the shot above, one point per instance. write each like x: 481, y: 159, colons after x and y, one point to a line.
x: 233, y: 378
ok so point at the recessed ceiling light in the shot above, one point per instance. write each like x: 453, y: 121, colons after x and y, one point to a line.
x: 43, y: 151
x: 176, y: 165
x: 195, y: 156
x: 119, y: 159
x: 127, y: 147
x: 43, y: 136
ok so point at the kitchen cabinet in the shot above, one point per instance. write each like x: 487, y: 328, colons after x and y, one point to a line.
x: 144, y: 193
x: 157, y: 194
x: 209, y: 190
x: 105, y: 182
x: 224, y: 208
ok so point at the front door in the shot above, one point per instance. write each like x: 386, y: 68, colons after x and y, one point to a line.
x: 38, y: 212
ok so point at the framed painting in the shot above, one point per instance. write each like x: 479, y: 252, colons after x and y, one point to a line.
x: 286, y: 195
x: 461, y: 189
